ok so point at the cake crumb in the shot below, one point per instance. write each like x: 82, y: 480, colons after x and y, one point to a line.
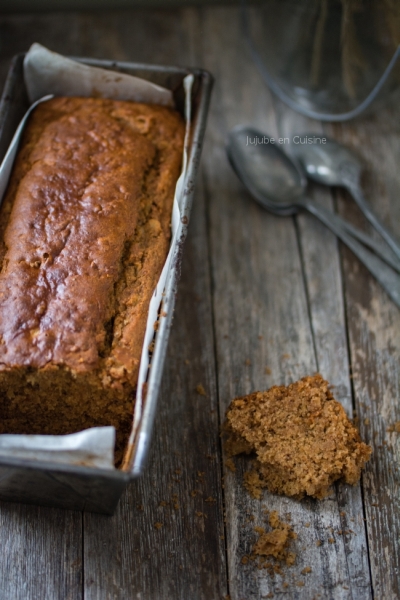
x: 267, y: 371
x: 247, y: 362
x: 253, y: 484
x: 230, y: 465
x: 245, y: 560
x: 306, y: 570
x: 290, y: 558
x: 307, y: 524
x: 318, y: 543
x: 275, y: 543
x: 394, y: 428
x: 301, y: 436
x: 200, y: 390
x: 158, y: 525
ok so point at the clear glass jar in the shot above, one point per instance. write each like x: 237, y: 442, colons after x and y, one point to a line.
x: 325, y: 56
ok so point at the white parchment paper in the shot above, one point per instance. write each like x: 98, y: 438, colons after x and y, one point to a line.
x: 47, y: 73
x: 81, y: 448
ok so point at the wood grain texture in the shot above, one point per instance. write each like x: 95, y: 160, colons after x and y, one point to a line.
x: 41, y: 553
x: 263, y: 300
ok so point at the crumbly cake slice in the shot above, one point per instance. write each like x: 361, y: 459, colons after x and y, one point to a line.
x: 301, y: 435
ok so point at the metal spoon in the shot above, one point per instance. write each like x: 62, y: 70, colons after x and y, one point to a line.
x: 334, y: 164
x: 278, y: 184
x: 379, y: 249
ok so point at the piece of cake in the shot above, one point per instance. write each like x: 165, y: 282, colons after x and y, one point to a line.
x: 84, y: 234
x: 302, y: 438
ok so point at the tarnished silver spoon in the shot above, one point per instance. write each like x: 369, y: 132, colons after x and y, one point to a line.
x: 278, y: 184
x: 333, y: 164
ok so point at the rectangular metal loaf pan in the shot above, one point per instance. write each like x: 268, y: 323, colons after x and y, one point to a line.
x: 80, y: 487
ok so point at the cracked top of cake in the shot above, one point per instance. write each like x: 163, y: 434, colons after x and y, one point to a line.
x: 85, y: 228
x: 301, y: 436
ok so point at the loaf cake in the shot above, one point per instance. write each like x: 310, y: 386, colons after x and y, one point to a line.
x: 301, y: 436
x: 84, y: 232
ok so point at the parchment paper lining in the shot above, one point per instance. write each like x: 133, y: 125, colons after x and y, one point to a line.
x: 46, y: 74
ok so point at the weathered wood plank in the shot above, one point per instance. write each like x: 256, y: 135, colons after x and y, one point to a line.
x: 322, y: 270
x: 13, y: 6
x: 374, y: 338
x: 259, y: 290
x: 41, y: 553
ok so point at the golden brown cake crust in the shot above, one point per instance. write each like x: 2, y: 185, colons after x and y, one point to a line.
x: 301, y: 435
x: 85, y: 229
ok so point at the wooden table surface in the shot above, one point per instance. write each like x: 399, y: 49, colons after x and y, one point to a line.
x: 263, y: 300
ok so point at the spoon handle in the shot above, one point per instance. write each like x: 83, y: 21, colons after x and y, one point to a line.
x: 380, y: 250
x: 388, y: 278
x: 356, y: 191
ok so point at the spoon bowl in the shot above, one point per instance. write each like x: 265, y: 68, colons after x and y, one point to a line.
x: 278, y: 184
x: 272, y: 178
x: 332, y: 163
x: 328, y: 163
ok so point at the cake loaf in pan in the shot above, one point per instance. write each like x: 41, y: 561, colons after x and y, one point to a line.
x: 84, y: 231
